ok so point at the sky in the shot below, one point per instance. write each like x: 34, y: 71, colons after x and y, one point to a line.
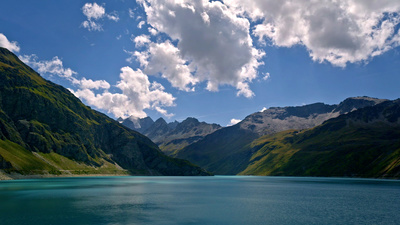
x: 217, y: 61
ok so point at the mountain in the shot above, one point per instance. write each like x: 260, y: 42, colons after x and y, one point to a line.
x: 137, y: 124
x: 362, y: 143
x: 226, y: 150
x: 45, y: 129
x: 157, y: 131
x: 185, y: 133
x: 171, y: 137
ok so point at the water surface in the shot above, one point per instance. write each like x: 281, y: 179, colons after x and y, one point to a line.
x: 200, y: 200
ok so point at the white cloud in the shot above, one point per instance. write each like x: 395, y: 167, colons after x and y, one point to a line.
x: 233, y: 122
x: 92, y: 26
x: 141, y: 40
x: 94, y: 13
x: 141, y: 23
x: 53, y: 67
x: 113, y: 16
x: 165, y: 59
x: 131, y: 13
x: 137, y: 94
x: 152, y: 31
x: 91, y: 84
x: 266, y: 76
x: 263, y: 109
x: 339, y: 32
x: 213, y: 45
x: 10, y: 45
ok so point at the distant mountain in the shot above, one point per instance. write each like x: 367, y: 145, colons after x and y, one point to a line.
x: 185, y: 133
x: 45, y: 129
x: 137, y: 124
x: 171, y: 137
x: 226, y: 150
x: 276, y: 119
x: 362, y: 143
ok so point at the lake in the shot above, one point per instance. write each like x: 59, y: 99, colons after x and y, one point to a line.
x: 200, y: 200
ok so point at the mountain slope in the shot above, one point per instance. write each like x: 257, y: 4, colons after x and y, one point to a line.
x: 229, y: 151
x: 48, y: 125
x: 363, y: 143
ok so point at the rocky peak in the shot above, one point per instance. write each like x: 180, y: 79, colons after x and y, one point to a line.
x: 188, y: 123
x: 173, y: 125
x: 353, y: 103
x: 276, y: 119
x: 137, y: 124
x: 160, y: 122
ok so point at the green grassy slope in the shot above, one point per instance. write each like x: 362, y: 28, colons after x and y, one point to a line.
x: 222, y: 152
x: 43, y: 117
x: 364, y: 143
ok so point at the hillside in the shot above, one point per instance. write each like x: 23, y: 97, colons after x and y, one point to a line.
x: 363, y: 143
x: 45, y: 129
x: 226, y: 150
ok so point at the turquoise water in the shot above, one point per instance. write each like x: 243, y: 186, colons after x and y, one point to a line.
x: 200, y: 200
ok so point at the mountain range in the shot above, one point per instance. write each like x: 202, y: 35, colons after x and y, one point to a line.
x: 45, y: 129
x: 170, y: 137
x: 362, y: 143
x: 236, y: 149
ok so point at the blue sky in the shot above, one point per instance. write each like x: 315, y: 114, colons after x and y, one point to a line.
x: 215, y: 61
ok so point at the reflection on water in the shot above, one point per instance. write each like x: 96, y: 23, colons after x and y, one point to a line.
x: 199, y: 200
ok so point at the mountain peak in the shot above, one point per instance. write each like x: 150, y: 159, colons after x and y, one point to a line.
x: 161, y: 121
x: 190, y: 120
x: 353, y: 103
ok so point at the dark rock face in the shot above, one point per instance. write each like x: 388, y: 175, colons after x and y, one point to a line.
x: 4, y: 164
x: 44, y: 117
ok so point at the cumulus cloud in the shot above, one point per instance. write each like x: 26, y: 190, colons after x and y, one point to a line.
x: 55, y: 67
x: 10, y: 45
x: 94, y: 13
x: 233, y: 122
x: 91, y: 84
x: 137, y: 94
x: 52, y: 67
x: 213, y: 45
x: 141, y: 40
x: 152, y: 31
x: 165, y: 59
x: 339, y: 32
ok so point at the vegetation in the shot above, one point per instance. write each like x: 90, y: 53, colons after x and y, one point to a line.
x: 364, y: 143
x: 52, y: 130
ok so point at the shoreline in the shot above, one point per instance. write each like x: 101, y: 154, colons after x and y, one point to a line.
x: 17, y: 176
